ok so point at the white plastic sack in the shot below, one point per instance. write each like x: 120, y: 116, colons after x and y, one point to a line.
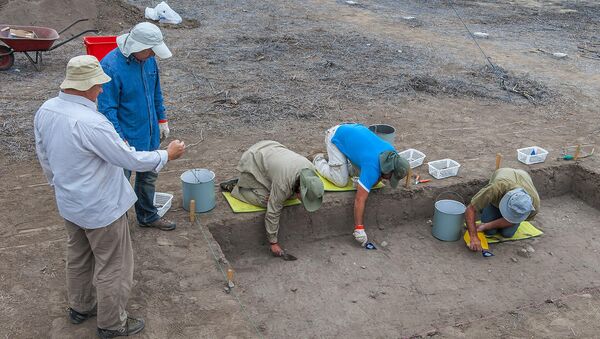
x: 163, y: 14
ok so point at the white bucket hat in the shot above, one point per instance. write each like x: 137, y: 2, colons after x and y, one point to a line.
x: 83, y: 72
x: 143, y: 36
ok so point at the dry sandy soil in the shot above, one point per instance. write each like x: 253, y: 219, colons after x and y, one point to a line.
x: 288, y: 70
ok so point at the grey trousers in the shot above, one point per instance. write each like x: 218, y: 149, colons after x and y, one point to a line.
x: 103, y: 258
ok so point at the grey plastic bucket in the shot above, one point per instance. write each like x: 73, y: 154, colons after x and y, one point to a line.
x: 199, y: 185
x: 385, y: 132
x: 448, y: 219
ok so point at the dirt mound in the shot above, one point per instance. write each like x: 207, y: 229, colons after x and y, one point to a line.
x: 109, y: 16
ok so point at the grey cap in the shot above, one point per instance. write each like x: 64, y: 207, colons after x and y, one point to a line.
x: 516, y: 205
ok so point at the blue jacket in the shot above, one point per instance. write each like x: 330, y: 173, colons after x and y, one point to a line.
x: 133, y: 100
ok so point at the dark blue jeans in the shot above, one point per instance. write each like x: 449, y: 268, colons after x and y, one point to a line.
x: 144, y: 189
x: 491, y: 213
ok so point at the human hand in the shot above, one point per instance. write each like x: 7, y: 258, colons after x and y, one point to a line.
x: 475, y: 244
x: 360, y: 235
x: 175, y: 149
x: 163, y: 127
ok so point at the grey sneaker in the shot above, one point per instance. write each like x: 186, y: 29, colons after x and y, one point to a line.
x: 79, y: 317
x: 132, y: 326
x: 162, y: 224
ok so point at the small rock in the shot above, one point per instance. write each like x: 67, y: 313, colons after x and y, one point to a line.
x: 523, y: 253
x: 343, y: 253
x: 399, y: 51
x: 384, y: 243
x: 550, y: 253
x: 421, y: 237
x: 294, y: 289
x: 549, y: 301
x: 363, y: 267
x: 514, y: 259
x: 481, y: 35
x: 373, y: 295
x: 354, y: 301
x: 433, y: 333
x: 408, y: 17
x: 349, y: 2
x: 560, y: 56
x: 429, y: 221
x: 489, y: 271
x: 227, y: 289
x: 529, y: 249
x: 135, y: 307
x: 230, y: 284
x: 381, y: 227
x: 382, y: 292
x: 585, y: 295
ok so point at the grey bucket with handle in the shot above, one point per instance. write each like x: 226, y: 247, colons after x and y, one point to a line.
x: 448, y: 218
x: 385, y: 132
x: 199, y: 185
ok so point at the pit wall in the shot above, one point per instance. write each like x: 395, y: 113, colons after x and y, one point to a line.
x: 386, y: 208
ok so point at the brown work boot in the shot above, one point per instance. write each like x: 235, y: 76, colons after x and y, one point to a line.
x: 162, y: 224
x: 132, y: 326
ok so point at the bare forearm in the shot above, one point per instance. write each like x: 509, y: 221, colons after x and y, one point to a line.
x: 359, y: 209
x: 470, y: 214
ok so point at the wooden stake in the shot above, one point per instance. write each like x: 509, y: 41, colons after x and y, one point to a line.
x: 408, y: 178
x: 498, y: 160
x: 192, y: 210
x: 577, y: 151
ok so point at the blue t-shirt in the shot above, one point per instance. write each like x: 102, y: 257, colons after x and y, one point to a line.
x: 362, y: 147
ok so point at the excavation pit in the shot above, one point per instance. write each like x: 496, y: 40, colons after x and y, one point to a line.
x: 415, y: 282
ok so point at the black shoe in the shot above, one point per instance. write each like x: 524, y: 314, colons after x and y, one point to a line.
x: 227, y: 186
x: 162, y: 224
x: 132, y: 326
x: 78, y: 317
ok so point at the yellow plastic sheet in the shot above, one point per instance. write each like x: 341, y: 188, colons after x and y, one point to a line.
x: 239, y: 206
x: 526, y: 230
x: 330, y: 187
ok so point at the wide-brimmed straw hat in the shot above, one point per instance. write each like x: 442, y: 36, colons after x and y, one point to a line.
x: 143, y: 36
x: 83, y: 72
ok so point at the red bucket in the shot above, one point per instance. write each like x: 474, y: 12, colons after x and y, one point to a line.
x: 99, y: 46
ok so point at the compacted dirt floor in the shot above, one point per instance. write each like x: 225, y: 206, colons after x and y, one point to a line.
x: 287, y: 71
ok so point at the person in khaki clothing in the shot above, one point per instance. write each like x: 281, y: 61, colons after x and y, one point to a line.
x: 270, y: 174
x: 508, y: 199
x: 83, y: 158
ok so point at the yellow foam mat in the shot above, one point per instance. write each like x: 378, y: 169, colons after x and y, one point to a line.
x: 330, y: 187
x: 526, y: 230
x: 239, y: 206
x: 482, y: 238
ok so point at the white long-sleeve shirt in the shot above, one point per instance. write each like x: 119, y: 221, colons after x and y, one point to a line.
x: 83, y: 158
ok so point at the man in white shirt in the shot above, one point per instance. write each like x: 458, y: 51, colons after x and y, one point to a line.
x: 83, y: 159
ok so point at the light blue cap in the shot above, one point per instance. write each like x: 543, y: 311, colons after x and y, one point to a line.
x: 516, y: 205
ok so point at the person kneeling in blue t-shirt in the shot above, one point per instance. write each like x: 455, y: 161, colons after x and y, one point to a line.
x: 375, y: 158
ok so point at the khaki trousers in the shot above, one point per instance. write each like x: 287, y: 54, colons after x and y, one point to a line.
x: 103, y: 258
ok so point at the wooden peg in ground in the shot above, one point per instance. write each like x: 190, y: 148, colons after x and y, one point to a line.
x: 408, y: 177
x: 498, y: 160
x: 577, y: 151
x: 192, y: 210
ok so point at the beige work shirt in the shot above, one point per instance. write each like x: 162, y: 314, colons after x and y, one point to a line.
x: 502, y: 181
x: 271, y: 166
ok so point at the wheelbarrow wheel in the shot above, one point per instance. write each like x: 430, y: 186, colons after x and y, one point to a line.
x: 7, y: 58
